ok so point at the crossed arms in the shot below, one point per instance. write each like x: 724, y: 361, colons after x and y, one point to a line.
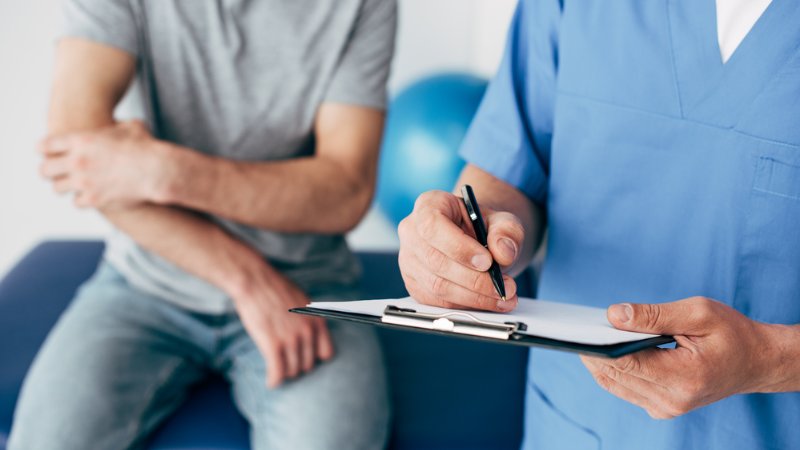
x: 139, y: 184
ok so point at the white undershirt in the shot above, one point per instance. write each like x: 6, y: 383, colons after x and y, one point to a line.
x: 735, y: 18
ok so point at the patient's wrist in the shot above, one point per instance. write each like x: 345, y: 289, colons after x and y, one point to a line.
x: 252, y: 277
x: 168, y: 174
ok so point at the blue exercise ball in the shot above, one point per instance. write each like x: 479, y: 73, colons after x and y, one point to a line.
x: 424, y: 129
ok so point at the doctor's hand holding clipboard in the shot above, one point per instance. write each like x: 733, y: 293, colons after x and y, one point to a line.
x: 719, y: 351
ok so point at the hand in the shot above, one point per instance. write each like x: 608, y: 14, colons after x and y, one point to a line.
x: 117, y: 164
x: 290, y: 343
x: 444, y: 265
x: 720, y: 352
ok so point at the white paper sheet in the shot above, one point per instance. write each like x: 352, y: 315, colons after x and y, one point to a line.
x: 553, y: 320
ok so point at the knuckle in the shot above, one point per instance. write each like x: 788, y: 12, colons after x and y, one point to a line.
x: 426, y: 225
x: 276, y: 345
x: 402, y: 229
x: 425, y: 199
x: 651, y: 314
x: 609, y: 372
x: 299, y: 339
x: 628, y: 365
x: 604, y: 381
x: 80, y: 162
x: 704, y: 307
x: 306, y: 330
x: 677, y: 408
x: 461, y: 250
x: 435, y: 260
x: 476, y: 281
x: 439, y: 287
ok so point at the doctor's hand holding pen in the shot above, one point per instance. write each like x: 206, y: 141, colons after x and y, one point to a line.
x: 441, y: 259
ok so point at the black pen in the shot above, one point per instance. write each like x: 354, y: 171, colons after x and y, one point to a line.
x: 481, y: 233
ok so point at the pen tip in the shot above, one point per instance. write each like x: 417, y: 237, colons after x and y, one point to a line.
x: 503, y: 298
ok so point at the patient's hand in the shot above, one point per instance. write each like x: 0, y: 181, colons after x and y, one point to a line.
x: 291, y: 343
x: 119, y: 164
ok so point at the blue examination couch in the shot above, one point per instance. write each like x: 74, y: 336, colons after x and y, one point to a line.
x: 447, y: 393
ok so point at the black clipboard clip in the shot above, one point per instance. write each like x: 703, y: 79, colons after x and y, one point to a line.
x: 459, y: 322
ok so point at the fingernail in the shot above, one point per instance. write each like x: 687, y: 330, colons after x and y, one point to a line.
x: 620, y: 313
x: 481, y: 262
x: 508, y: 247
x: 505, y: 305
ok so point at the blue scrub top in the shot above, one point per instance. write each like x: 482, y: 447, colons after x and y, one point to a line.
x: 665, y: 174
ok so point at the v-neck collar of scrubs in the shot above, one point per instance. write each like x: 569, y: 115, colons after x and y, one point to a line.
x: 717, y: 93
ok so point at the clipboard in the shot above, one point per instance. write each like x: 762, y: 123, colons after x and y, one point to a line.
x: 465, y: 324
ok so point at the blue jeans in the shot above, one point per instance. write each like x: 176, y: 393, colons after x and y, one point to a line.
x: 119, y: 361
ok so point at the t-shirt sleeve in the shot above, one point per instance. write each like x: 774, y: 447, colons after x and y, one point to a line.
x: 109, y: 22
x: 511, y: 132
x: 363, y: 70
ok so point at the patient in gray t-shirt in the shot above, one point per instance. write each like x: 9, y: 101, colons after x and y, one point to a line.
x: 264, y: 121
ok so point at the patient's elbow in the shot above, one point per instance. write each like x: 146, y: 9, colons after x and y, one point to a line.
x: 358, y: 203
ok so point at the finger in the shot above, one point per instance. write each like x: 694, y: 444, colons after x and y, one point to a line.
x: 276, y: 367
x: 653, y: 365
x: 423, y: 258
x: 54, y: 167
x: 54, y: 145
x: 420, y: 295
x: 692, y: 317
x: 307, y: 351
x: 84, y: 199
x: 291, y: 353
x: 439, y: 291
x: 62, y: 185
x: 506, y: 236
x: 437, y: 222
x: 324, y: 344
x: 608, y: 381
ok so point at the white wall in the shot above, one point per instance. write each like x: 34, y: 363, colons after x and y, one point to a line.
x: 434, y: 36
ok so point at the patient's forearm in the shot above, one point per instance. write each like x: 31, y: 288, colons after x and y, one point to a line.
x: 302, y: 195
x: 192, y: 243
x: 326, y: 193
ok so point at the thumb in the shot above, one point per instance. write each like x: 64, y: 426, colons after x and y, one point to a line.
x: 506, y: 235
x: 674, y: 318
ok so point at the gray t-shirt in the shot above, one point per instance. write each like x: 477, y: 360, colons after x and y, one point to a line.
x: 242, y: 79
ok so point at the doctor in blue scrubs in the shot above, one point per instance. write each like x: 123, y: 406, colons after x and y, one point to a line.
x: 659, y: 144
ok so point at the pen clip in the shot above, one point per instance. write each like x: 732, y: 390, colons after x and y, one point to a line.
x: 468, y: 202
x: 474, y: 212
